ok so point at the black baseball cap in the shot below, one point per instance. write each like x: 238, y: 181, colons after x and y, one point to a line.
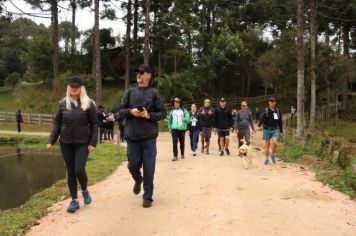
x: 144, y: 68
x: 272, y: 99
x: 222, y: 100
x: 75, y: 81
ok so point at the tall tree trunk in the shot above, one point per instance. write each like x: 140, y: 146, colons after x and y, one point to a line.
x: 147, y: 33
x: 135, y: 29
x: 97, y: 59
x: 346, y: 43
x: 54, y: 29
x: 74, y: 8
x: 128, y: 45
x: 312, y: 66
x: 300, y: 67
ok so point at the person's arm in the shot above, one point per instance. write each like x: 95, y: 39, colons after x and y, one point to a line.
x: 93, y: 121
x: 53, y: 137
x: 186, y: 116
x: 231, y: 119
x: 251, y: 122
x: 170, y: 120
x: 125, y: 105
x: 262, y: 119
x: 280, y: 123
x: 159, y: 113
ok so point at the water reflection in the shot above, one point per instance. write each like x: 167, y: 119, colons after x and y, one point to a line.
x: 25, y: 172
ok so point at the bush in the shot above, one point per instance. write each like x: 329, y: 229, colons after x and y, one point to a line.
x: 13, y: 79
x: 343, y: 160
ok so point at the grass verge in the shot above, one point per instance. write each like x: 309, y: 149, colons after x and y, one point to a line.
x: 19, y: 220
x: 12, y: 126
x: 335, y: 163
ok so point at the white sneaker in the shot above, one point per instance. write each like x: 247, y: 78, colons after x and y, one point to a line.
x: 194, y: 154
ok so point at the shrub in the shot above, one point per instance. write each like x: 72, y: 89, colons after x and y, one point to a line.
x: 343, y: 160
x: 13, y: 79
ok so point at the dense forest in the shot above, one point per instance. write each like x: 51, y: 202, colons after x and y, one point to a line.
x: 197, y: 48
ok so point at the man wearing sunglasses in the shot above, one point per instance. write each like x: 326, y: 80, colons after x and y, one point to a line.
x: 142, y: 107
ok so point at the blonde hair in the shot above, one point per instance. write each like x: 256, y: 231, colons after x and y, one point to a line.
x: 83, y: 97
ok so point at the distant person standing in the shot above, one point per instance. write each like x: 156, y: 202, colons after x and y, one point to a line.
x: 76, y: 125
x: 102, y: 120
x: 19, y: 120
x: 243, y: 122
x: 178, y: 120
x: 110, y: 124
x: 223, y: 124
x: 142, y: 107
x: 194, y: 129
x: 271, y: 119
x: 205, y: 115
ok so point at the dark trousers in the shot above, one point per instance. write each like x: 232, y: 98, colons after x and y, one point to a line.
x: 122, y: 131
x: 142, y: 153
x: 18, y: 127
x: 75, y: 157
x: 243, y: 134
x: 194, y: 139
x: 178, y: 135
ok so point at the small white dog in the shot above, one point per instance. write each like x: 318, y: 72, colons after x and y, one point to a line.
x: 245, y: 152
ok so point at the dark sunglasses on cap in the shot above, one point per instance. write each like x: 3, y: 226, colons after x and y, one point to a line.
x: 140, y: 72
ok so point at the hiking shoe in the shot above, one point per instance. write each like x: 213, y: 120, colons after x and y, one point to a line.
x: 182, y: 157
x: 147, y: 203
x: 222, y: 153
x: 73, y: 206
x: 137, y: 187
x: 207, y: 152
x: 202, y: 150
x: 274, y: 159
x: 194, y: 154
x: 87, y: 198
x: 175, y: 159
x: 266, y: 162
x: 227, y: 151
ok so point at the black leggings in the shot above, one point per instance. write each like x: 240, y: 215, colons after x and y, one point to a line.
x: 75, y: 157
x: 178, y: 135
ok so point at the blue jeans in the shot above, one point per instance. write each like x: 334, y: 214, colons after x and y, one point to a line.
x: 142, y: 153
x: 194, y: 139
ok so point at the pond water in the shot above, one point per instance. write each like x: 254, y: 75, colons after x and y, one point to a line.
x: 25, y: 172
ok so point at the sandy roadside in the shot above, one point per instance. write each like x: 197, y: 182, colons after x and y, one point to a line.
x: 209, y: 195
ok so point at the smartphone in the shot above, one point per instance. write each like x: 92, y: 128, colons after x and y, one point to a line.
x: 140, y: 108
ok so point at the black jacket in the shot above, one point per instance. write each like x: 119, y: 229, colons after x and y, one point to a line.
x: 268, y: 120
x: 75, y: 126
x: 223, y: 118
x: 137, y: 128
x: 206, y: 120
x: 194, y: 119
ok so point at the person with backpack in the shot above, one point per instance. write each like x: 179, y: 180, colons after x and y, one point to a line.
x: 194, y: 129
x: 271, y: 119
x: 205, y: 115
x: 110, y: 124
x: 243, y: 121
x: 223, y: 124
x: 178, y: 120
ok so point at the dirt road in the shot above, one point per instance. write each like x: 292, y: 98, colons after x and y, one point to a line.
x: 209, y: 195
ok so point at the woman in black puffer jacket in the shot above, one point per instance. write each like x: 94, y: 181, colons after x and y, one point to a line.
x: 76, y: 123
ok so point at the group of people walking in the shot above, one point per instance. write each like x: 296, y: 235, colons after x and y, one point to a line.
x: 76, y: 125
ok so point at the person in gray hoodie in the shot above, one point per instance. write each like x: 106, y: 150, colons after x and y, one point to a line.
x: 243, y: 121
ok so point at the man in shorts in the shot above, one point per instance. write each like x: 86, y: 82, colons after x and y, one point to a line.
x: 223, y: 124
x: 271, y: 119
x: 205, y: 115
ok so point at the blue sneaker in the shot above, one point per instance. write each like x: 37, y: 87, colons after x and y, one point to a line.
x: 73, y: 206
x: 87, y: 198
x: 266, y: 162
x: 274, y: 159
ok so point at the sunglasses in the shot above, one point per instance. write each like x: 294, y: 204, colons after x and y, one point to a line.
x: 243, y: 105
x: 140, y: 72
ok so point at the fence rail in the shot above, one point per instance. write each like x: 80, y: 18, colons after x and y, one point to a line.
x: 47, y: 119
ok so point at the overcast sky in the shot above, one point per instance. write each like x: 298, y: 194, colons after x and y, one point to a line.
x: 84, y: 18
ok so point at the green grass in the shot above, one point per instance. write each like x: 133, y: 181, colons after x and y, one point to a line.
x: 312, y: 153
x: 17, y: 221
x: 12, y: 126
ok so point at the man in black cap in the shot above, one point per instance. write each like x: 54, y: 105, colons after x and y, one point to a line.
x: 142, y: 107
x: 223, y: 123
x: 271, y: 119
